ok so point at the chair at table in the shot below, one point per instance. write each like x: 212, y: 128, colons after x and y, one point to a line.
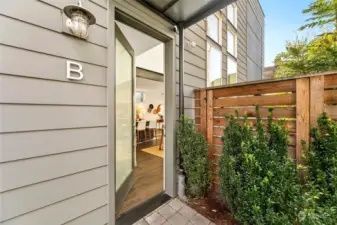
x: 152, y: 128
x: 141, y: 128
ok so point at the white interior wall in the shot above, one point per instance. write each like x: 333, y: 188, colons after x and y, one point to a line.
x: 154, y: 92
x: 152, y: 59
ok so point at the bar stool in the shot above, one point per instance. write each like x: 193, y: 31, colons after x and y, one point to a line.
x: 141, y: 128
x: 152, y: 127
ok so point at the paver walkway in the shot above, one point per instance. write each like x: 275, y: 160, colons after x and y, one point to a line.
x: 174, y: 212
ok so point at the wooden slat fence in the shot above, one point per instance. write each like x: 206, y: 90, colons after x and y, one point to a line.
x: 298, y: 100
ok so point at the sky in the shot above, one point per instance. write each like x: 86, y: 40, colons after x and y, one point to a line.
x: 282, y: 20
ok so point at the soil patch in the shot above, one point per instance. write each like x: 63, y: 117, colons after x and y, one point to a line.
x: 213, y: 210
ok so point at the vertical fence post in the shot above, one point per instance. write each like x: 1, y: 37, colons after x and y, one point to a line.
x: 316, y: 99
x: 203, y: 112
x: 302, y: 115
x: 210, y: 122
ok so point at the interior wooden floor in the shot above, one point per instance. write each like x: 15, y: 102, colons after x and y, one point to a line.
x: 148, y: 178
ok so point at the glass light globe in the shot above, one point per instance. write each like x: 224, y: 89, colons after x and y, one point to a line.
x: 79, y: 19
x: 79, y: 24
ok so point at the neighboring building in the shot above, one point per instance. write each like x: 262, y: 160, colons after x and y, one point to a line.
x: 269, y: 72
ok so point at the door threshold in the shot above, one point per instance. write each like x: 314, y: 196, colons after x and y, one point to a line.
x: 138, y: 212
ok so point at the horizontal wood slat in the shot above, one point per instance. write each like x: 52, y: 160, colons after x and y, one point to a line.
x: 267, y: 100
x: 197, y: 127
x: 291, y: 139
x: 217, y: 150
x: 196, y: 103
x: 197, y: 112
x: 331, y: 110
x: 290, y: 124
x: 330, y: 81
x: 330, y: 97
x: 254, y: 89
x: 197, y: 120
x: 285, y: 112
x: 197, y: 94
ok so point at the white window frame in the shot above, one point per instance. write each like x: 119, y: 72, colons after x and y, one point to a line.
x: 218, y: 15
x: 235, y: 15
x: 232, y: 27
x: 236, y: 61
x: 211, y: 43
x: 234, y: 32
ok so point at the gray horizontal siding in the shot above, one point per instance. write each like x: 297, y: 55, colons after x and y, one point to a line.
x: 49, y: 42
x: 97, y: 216
x: 102, y: 3
x: 54, y: 18
x: 98, y: 11
x: 64, y: 211
x: 35, y: 118
x: 41, y: 169
x: 194, y: 66
x: 28, y: 91
x: 24, y: 145
x: 53, y: 132
x: 242, y: 40
x: 35, y: 196
x: 52, y: 68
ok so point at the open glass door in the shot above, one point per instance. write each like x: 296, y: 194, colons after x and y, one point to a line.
x: 124, y: 117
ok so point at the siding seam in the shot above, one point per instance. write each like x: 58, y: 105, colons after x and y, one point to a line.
x: 53, y: 80
x: 39, y: 104
x: 61, y: 57
x: 40, y: 182
x: 87, y: 213
x: 45, y: 28
x: 98, y: 4
x: 53, y: 154
x: 193, y: 76
x: 62, y: 9
x: 204, y: 59
x: 203, y: 38
x: 253, y: 62
x: 54, y: 203
x: 58, y: 129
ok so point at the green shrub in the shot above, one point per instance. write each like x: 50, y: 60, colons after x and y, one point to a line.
x: 320, y: 199
x: 259, y: 182
x: 195, y: 159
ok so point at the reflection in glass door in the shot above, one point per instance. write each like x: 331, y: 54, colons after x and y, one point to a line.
x: 124, y: 116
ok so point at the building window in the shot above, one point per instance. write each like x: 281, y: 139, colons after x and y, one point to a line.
x: 232, y: 14
x: 232, y: 70
x: 214, y: 59
x: 214, y: 53
x: 232, y: 61
x: 214, y: 27
x: 140, y: 97
x: 231, y: 42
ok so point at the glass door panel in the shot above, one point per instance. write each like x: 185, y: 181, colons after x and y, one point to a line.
x: 124, y: 115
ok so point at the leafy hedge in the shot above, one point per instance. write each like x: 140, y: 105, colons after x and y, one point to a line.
x: 195, y: 159
x: 320, y: 199
x: 260, y: 183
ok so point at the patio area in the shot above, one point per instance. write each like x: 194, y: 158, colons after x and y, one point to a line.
x: 174, y: 212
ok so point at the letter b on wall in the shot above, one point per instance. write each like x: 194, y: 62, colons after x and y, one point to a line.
x: 74, y: 71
